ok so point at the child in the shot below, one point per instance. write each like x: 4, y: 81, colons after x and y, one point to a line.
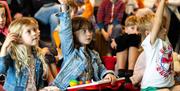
x: 145, y: 24
x: 21, y: 59
x: 5, y: 19
x: 126, y: 46
x: 140, y: 66
x: 158, y: 52
x: 80, y: 62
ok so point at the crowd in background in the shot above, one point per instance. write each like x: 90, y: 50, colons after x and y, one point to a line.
x: 143, y: 36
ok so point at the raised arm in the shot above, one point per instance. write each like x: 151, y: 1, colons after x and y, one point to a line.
x: 157, y: 22
x: 66, y: 36
x: 174, y: 2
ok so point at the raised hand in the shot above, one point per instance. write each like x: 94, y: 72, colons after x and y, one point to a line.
x: 63, y: 1
x: 50, y: 88
x: 11, y: 37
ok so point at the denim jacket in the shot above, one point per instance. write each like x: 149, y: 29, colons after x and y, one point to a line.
x: 74, y: 62
x: 18, y: 83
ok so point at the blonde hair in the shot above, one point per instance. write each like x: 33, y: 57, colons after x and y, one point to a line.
x: 145, y: 24
x: 20, y: 53
x: 132, y: 20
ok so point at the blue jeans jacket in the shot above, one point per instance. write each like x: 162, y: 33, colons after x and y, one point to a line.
x: 18, y: 83
x: 46, y: 15
x: 74, y: 62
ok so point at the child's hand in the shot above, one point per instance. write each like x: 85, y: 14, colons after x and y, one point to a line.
x: 134, y: 81
x: 113, y: 44
x: 11, y: 37
x: 105, y: 34
x: 50, y: 88
x: 110, y: 29
x: 62, y: 1
x: 110, y: 77
x: 18, y: 15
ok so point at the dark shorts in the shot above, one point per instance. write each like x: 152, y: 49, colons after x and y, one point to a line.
x: 125, y: 41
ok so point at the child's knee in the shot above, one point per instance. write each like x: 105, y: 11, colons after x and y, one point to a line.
x: 164, y: 89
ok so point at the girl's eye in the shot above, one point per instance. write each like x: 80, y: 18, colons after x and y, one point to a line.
x: 29, y: 31
x: 2, y: 16
x: 84, y: 31
x: 34, y: 30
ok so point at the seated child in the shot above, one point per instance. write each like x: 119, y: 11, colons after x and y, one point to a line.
x: 21, y: 59
x: 126, y: 46
x: 158, y: 74
x: 80, y: 62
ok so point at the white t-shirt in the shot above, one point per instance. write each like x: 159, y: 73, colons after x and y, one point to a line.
x: 159, y: 68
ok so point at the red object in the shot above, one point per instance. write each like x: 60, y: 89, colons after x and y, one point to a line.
x: 1, y: 88
x: 109, y: 62
x: 130, y: 87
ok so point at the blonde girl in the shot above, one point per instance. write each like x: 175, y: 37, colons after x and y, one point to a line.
x: 21, y: 60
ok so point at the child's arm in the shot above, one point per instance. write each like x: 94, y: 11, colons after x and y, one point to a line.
x: 66, y: 29
x: 102, y: 71
x: 113, y: 44
x: 4, y: 58
x: 139, y: 69
x: 11, y: 37
x: 173, y: 2
x: 157, y: 22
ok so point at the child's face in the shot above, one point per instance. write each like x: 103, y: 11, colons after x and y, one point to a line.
x: 84, y: 36
x: 2, y: 18
x: 131, y: 29
x: 30, y: 36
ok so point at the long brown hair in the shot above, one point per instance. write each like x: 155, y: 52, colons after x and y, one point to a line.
x: 79, y: 23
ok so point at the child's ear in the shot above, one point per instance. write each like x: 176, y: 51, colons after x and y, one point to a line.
x: 146, y: 32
